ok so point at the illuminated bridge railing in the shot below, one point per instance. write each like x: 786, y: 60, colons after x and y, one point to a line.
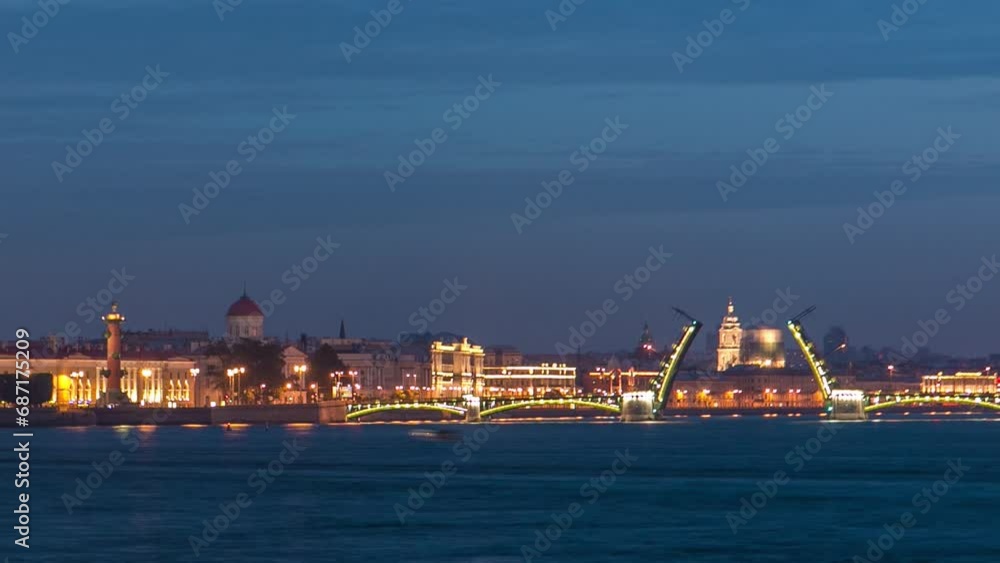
x: 880, y: 402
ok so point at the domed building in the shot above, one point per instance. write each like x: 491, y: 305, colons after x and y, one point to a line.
x: 244, y: 319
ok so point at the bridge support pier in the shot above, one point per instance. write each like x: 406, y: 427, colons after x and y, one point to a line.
x: 847, y: 405
x: 637, y: 406
x: 472, y: 409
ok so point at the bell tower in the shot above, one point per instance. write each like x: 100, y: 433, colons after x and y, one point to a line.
x: 730, y: 339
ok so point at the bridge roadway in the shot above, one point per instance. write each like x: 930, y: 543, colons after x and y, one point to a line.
x: 474, y: 409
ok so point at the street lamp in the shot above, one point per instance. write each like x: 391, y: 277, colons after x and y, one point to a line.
x: 235, y: 372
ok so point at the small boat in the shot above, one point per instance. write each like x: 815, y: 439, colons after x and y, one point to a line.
x: 434, y: 435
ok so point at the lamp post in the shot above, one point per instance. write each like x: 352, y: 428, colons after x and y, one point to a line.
x: 235, y: 373
x: 353, y: 375
x: 263, y: 386
x: 301, y: 370
x: 337, y: 376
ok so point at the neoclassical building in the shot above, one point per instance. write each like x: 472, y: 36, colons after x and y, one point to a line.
x: 244, y: 319
x: 79, y: 378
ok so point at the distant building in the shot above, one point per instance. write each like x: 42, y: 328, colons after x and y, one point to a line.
x: 962, y: 383
x: 755, y: 346
x: 730, y: 340
x: 544, y: 380
x: 762, y: 347
x: 456, y: 368
x: 244, y: 319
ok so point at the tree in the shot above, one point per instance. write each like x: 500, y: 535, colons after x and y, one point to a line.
x: 263, y: 363
x: 324, y: 361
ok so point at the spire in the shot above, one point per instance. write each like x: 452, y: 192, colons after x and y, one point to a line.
x: 732, y: 308
x: 343, y: 330
x: 244, y: 288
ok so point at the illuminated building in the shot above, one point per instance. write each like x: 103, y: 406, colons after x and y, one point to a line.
x: 244, y: 319
x: 456, y: 368
x: 763, y: 347
x: 156, y: 379
x: 529, y: 381
x: 730, y: 340
x: 615, y: 381
x: 962, y: 383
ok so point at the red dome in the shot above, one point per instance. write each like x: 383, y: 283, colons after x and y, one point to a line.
x: 244, y: 307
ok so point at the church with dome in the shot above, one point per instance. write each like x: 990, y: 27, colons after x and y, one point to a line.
x: 244, y: 319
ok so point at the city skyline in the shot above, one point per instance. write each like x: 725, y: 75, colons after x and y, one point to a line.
x: 652, y: 154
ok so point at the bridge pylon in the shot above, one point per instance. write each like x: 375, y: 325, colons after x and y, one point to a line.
x: 847, y: 404
x: 472, y: 409
x: 637, y: 406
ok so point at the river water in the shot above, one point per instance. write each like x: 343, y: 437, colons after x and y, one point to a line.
x: 671, y: 491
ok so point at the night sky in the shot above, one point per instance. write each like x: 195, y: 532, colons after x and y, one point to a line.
x: 655, y: 185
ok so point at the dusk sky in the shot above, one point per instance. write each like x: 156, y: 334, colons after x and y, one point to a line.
x: 656, y: 184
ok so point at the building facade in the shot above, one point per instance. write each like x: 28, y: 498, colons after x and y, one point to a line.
x: 456, y: 368
x: 80, y: 379
x: 546, y: 380
x: 962, y: 383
